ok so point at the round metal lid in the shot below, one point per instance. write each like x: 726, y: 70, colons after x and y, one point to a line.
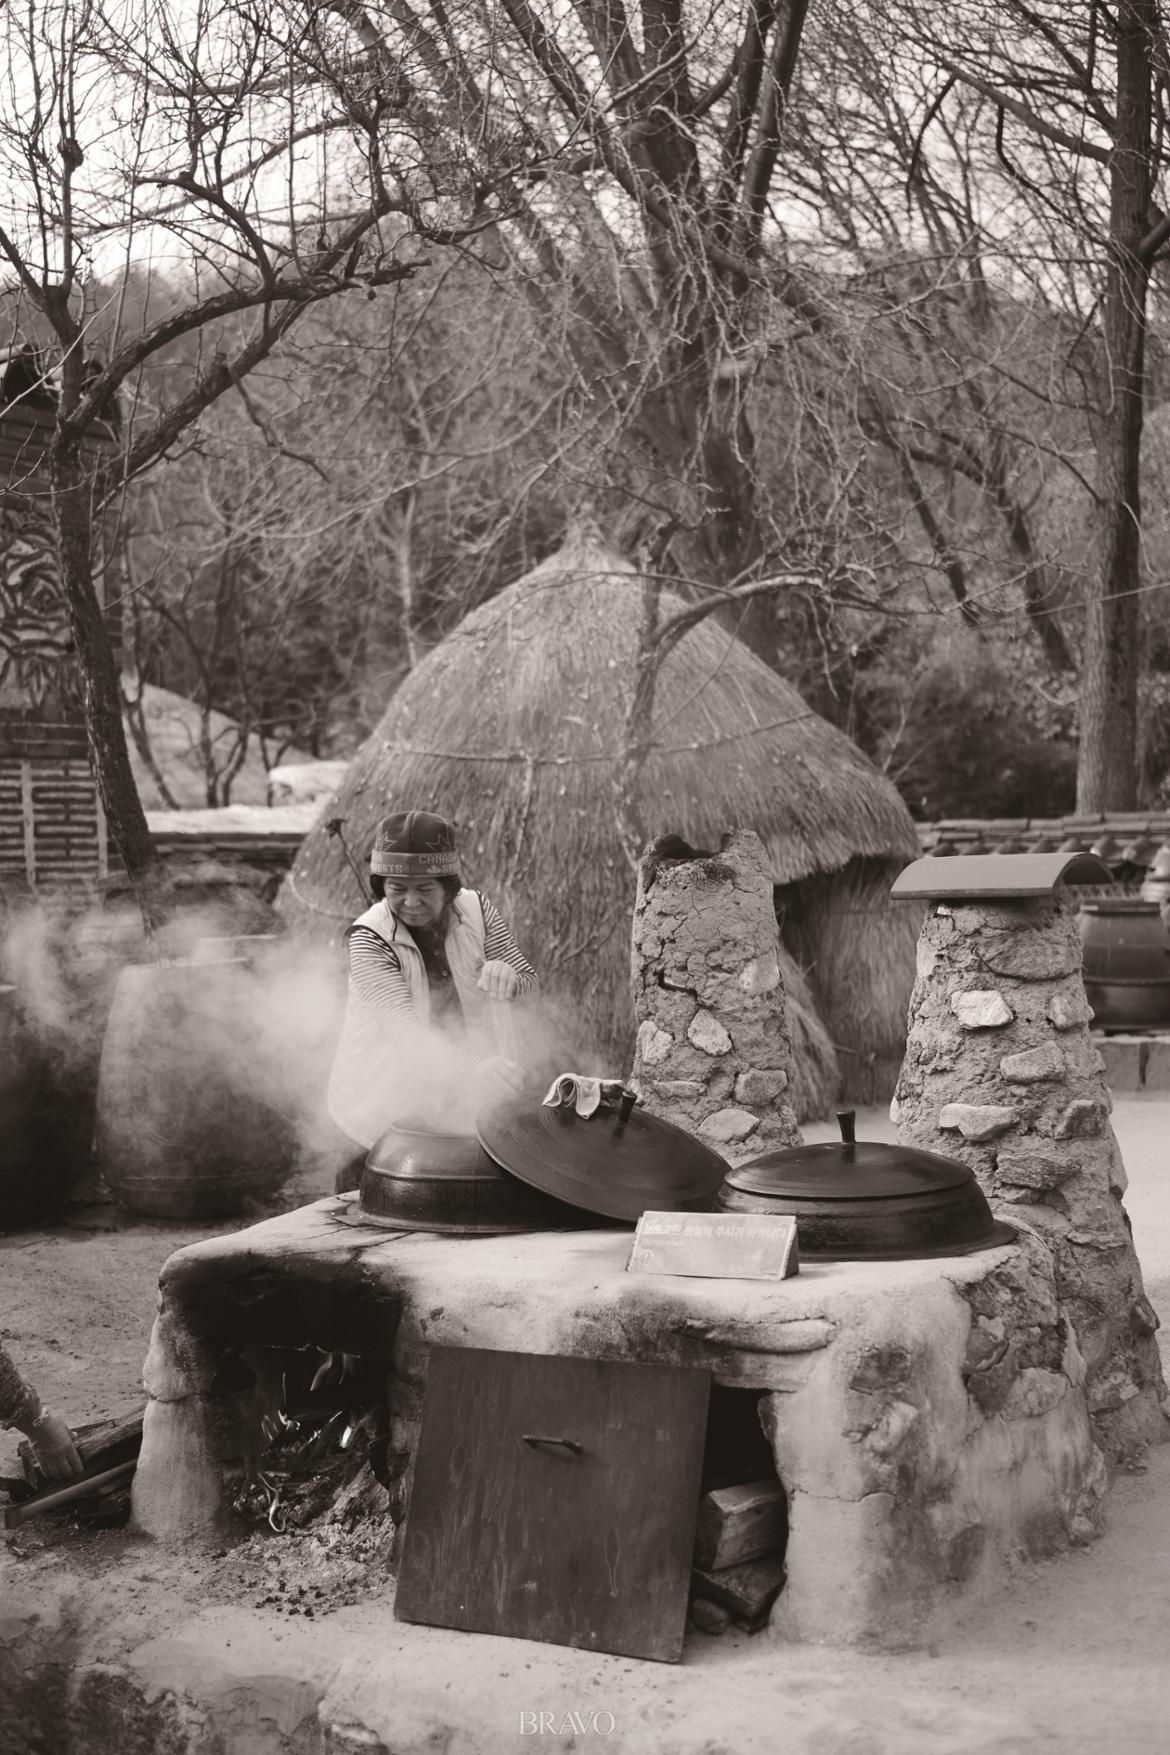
x: 848, y: 1171
x: 620, y: 1162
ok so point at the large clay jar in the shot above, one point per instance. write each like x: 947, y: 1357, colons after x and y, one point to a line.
x: 188, y: 1123
x: 1156, y: 883
x: 38, y: 1153
x: 1127, y: 964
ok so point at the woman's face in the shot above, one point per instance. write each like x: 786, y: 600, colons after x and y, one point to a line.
x: 416, y: 901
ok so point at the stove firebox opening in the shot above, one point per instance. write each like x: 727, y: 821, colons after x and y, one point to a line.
x: 742, y: 1530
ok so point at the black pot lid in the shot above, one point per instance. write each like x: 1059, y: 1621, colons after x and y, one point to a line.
x: 848, y: 1170
x: 620, y: 1162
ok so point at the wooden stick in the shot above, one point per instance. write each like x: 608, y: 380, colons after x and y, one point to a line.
x: 17, y: 1514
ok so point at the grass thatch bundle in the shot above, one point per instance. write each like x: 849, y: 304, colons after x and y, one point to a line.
x: 816, y: 1070
x: 856, y: 948
x: 513, y: 727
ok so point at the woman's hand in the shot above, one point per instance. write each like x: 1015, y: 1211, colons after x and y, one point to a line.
x: 499, y: 981
x: 54, y: 1449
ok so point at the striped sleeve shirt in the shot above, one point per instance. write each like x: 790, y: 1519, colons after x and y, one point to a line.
x: 20, y: 1404
x: 376, y: 975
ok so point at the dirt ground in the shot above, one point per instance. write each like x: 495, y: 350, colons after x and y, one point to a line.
x: 1071, y: 1659
x: 77, y: 1301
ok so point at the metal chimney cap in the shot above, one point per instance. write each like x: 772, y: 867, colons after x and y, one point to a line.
x: 984, y: 876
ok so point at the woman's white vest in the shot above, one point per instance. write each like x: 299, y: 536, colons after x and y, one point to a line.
x: 375, y: 1077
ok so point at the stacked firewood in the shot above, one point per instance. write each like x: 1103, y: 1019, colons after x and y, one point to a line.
x: 738, y: 1569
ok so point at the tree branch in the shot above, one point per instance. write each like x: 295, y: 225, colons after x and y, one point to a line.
x: 762, y: 164
x: 748, y: 71
x: 224, y: 373
x: 1029, y: 118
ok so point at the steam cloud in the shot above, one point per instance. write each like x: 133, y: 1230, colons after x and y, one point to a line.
x: 261, y: 1032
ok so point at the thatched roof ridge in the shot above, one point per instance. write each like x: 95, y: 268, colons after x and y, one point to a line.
x: 536, y: 682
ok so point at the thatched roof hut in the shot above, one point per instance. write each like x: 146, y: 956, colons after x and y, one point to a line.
x: 513, y: 727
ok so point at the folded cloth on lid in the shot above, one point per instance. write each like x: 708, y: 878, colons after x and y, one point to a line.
x: 584, y: 1094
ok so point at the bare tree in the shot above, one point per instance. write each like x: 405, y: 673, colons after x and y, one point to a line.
x: 735, y: 219
x: 1073, y: 100
x: 636, y: 156
x: 249, y: 140
x: 790, y: 303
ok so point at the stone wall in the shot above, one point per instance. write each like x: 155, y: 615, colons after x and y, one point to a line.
x: 1000, y: 1071
x: 712, y: 1050
x: 1136, y: 1065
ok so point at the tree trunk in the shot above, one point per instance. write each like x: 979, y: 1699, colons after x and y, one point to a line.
x: 1107, y: 766
x: 135, y: 718
x: 101, y: 693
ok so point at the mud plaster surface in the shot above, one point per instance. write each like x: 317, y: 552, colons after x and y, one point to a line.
x: 919, y: 1447
x: 1070, y: 1660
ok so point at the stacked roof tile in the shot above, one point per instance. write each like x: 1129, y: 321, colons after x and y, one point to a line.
x: 1127, y: 841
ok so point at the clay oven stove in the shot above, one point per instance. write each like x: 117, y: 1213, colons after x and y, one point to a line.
x: 929, y: 1420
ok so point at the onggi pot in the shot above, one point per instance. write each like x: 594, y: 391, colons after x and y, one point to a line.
x: 1126, y: 963
x: 38, y: 1156
x: 187, y: 1127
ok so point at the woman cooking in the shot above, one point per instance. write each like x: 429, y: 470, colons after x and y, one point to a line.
x: 432, y: 967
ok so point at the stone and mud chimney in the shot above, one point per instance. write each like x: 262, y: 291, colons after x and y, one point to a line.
x: 1001, y: 1071
x: 713, y: 1052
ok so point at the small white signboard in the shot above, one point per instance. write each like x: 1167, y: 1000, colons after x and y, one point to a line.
x: 718, y: 1246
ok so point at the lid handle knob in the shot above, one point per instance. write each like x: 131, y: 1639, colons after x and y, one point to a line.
x: 535, y: 1439
x: 847, y: 1122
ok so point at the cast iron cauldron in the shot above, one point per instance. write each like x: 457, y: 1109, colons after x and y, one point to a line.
x: 619, y: 1162
x: 868, y: 1202
x: 417, y: 1180
x: 1126, y: 963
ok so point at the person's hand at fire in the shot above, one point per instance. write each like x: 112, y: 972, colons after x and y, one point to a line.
x: 499, y: 981
x: 49, y: 1437
x: 52, y: 1444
